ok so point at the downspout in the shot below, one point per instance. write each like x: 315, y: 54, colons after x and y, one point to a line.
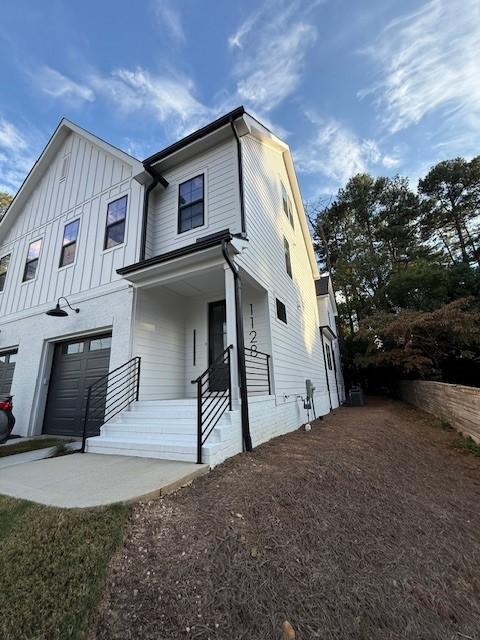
x: 156, y: 179
x: 242, y: 373
x: 335, y: 371
x: 326, y: 370
x: 240, y: 180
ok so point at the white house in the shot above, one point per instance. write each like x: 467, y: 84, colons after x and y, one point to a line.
x: 201, y: 312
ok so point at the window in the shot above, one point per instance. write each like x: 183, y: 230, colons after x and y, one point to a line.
x: 116, y: 216
x: 329, y: 356
x: 73, y: 347
x: 281, y: 311
x: 287, y: 205
x: 4, y: 262
x: 100, y: 343
x: 32, y: 260
x: 190, y: 204
x: 69, y: 246
x: 288, y: 264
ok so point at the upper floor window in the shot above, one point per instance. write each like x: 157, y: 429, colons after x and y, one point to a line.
x: 287, y: 205
x: 191, y: 204
x: 4, y: 262
x: 31, y: 263
x: 288, y: 263
x: 329, y: 356
x: 69, y: 246
x: 281, y: 311
x: 116, y: 217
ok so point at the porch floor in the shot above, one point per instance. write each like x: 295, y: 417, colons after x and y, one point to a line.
x: 90, y: 480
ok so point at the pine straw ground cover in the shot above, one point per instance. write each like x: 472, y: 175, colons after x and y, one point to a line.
x: 366, y: 527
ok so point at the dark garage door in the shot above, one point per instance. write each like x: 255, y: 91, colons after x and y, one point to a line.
x: 7, y: 368
x: 76, y: 365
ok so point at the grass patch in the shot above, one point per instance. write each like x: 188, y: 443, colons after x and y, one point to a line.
x: 31, y: 445
x: 467, y: 444
x: 52, y: 565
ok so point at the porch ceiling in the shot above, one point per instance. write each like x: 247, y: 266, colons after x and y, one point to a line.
x: 199, y: 283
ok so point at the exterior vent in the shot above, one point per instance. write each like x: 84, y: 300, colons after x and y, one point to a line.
x: 66, y: 162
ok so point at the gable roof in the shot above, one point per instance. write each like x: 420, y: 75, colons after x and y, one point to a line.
x: 64, y: 128
x: 321, y: 286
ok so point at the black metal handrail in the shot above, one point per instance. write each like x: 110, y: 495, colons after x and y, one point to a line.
x: 257, y: 366
x: 212, y: 402
x: 110, y: 394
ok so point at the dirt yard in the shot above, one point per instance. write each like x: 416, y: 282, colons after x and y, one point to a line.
x: 368, y: 527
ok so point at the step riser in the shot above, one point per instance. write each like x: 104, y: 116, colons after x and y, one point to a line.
x: 165, y: 455
x: 155, y: 437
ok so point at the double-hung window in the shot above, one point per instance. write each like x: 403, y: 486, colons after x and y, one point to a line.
x: 69, y: 245
x: 191, y: 210
x: 287, y: 205
x: 31, y: 263
x: 288, y: 263
x: 115, y: 227
x: 4, y: 262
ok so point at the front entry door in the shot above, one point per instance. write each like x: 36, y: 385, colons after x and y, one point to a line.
x: 217, y: 343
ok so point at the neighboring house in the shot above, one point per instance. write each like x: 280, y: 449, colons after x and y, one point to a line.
x: 327, y: 315
x: 196, y: 262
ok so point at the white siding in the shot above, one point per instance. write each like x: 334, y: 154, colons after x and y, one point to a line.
x: 296, y: 346
x: 159, y: 338
x: 222, y: 211
x: 94, y: 178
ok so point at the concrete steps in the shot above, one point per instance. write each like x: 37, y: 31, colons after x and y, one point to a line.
x: 165, y: 429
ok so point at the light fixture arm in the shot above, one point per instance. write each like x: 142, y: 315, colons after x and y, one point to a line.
x: 68, y: 304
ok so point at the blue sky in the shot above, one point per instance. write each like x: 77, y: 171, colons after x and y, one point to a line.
x: 385, y: 86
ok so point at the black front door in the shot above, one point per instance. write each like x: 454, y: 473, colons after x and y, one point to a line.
x: 217, y: 343
x: 76, y: 365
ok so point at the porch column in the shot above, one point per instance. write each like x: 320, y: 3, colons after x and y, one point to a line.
x: 232, y: 333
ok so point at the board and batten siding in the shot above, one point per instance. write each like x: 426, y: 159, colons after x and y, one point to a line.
x: 222, y: 209
x: 94, y: 178
x: 296, y: 346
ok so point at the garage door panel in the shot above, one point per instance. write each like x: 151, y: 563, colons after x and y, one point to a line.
x: 74, y: 369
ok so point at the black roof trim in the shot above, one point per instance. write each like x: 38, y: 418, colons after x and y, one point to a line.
x: 196, y: 135
x: 200, y: 245
x: 321, y: 286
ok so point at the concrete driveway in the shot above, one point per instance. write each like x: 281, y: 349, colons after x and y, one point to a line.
x: 91, y: 480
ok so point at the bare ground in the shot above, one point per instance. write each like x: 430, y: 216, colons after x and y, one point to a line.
x: 368, y: 527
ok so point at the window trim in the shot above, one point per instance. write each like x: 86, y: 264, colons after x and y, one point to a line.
x: 108, y: 226
x: 63, y: 246
x: 288, y: 257
x: 5, y: 255
x: 329, y: 355
x: 203, y: 200
x: 41, y: 238
x: 277, y: 302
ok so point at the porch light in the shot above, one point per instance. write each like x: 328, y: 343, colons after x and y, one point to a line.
x: 60, y: 313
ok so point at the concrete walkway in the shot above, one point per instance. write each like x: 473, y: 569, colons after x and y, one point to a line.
x: 91, y: 480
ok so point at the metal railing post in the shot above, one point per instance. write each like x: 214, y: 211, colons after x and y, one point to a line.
x: 199, y: 422
x: 229, y: 382
x: 85, y: 420
x: 138, y: 378
x: 268, y: 375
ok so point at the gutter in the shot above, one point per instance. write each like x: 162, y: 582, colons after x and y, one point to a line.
x: 242, y: 372
x: 157, y: 178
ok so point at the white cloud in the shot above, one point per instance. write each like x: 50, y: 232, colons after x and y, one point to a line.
x: 169, y: 98
x: 56, y: 85
x: 390, y: 162
x: 430, y: 60
x: 169, y: 18
x: 269, y: 67
x: 16, y: 159
x: 335, y: 152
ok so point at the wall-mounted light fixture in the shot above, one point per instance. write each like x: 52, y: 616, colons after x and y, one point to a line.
x: 60, y: 313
